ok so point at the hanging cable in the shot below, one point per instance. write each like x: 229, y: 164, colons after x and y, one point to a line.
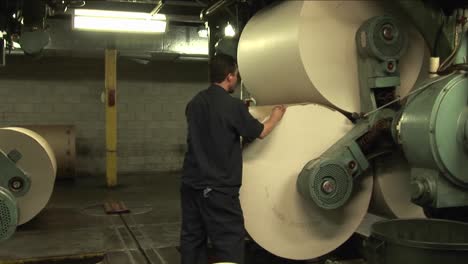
x: 458, y: 41
x: 438, y: 36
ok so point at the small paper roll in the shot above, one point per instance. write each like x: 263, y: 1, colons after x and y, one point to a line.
x: 276, y: 216
x: 38, y: 162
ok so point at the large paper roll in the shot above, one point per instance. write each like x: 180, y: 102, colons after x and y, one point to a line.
x: 392, y: 192
x: 304, y: 51
x: 276, y: 216
x: 61, y: 139
x: 261, y: 112
x: 38, y: 162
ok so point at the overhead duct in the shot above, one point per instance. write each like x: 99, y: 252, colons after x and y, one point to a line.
x: 178, y: 41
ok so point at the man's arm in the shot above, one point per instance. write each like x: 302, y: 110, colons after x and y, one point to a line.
x: 250, y: 128
x: 276, y: 115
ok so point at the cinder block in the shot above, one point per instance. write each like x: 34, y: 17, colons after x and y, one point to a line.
x: 89, y: 107
x: 5, y: 107
x: 43, y: 108
x: 160, y: 117
x: 24, y: 108
x: 127, y: 116
x: 144, y: 116
x: 139, y: 161
x: 72, y: 98
x: 153, y: 107
x: 172, y: 124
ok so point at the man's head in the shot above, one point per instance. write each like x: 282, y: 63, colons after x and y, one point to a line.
x: 223, y: 72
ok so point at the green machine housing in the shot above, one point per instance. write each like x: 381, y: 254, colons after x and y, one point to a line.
x: 430, y: 126
x: 14, y: 183
x: 433, y: 131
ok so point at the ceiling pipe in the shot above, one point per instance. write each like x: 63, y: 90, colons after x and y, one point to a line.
x: 214, y: 8
x: 157, y: 8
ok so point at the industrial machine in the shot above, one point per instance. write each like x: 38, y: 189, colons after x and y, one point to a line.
x: 28, y: 168
x: 15, y: 183
x: 429, y: 125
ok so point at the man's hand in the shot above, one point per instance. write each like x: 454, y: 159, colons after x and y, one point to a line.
x: 276, y: 115
x: 278, y: 112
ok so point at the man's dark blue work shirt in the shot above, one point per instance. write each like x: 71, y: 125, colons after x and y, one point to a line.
x: 216, y: 121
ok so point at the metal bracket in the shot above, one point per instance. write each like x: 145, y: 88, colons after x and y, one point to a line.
x: 380, y: 43
x: 15, y: 155
x: 328, y: 180
x: 466, y: 135
x: 2, y: 52
x: 462, y: 131
x: 13, y: 178
x: 358, y: 157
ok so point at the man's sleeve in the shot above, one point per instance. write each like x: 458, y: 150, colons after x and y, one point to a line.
x: 245, y: 124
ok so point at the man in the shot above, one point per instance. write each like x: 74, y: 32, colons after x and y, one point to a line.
x: 212, y: 172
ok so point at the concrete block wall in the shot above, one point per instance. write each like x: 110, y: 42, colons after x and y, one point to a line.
x: 151, y: 104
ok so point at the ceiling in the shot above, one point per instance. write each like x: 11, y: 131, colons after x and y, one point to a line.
x: 177, y: 11
x: 180, y: 39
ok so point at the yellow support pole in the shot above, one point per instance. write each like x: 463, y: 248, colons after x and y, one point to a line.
x: 111, y: 116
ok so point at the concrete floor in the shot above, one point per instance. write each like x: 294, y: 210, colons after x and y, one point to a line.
x: 74, y: 224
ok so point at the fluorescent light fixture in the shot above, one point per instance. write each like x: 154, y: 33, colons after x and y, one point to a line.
x: 203, y: 33
x: 229, y: 31
x: 118, y: 21
x: 117, y: 14
x: 197, y: 48
x: 16, y: 45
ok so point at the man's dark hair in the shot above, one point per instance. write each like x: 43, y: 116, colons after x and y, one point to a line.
x: 220, y: 66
